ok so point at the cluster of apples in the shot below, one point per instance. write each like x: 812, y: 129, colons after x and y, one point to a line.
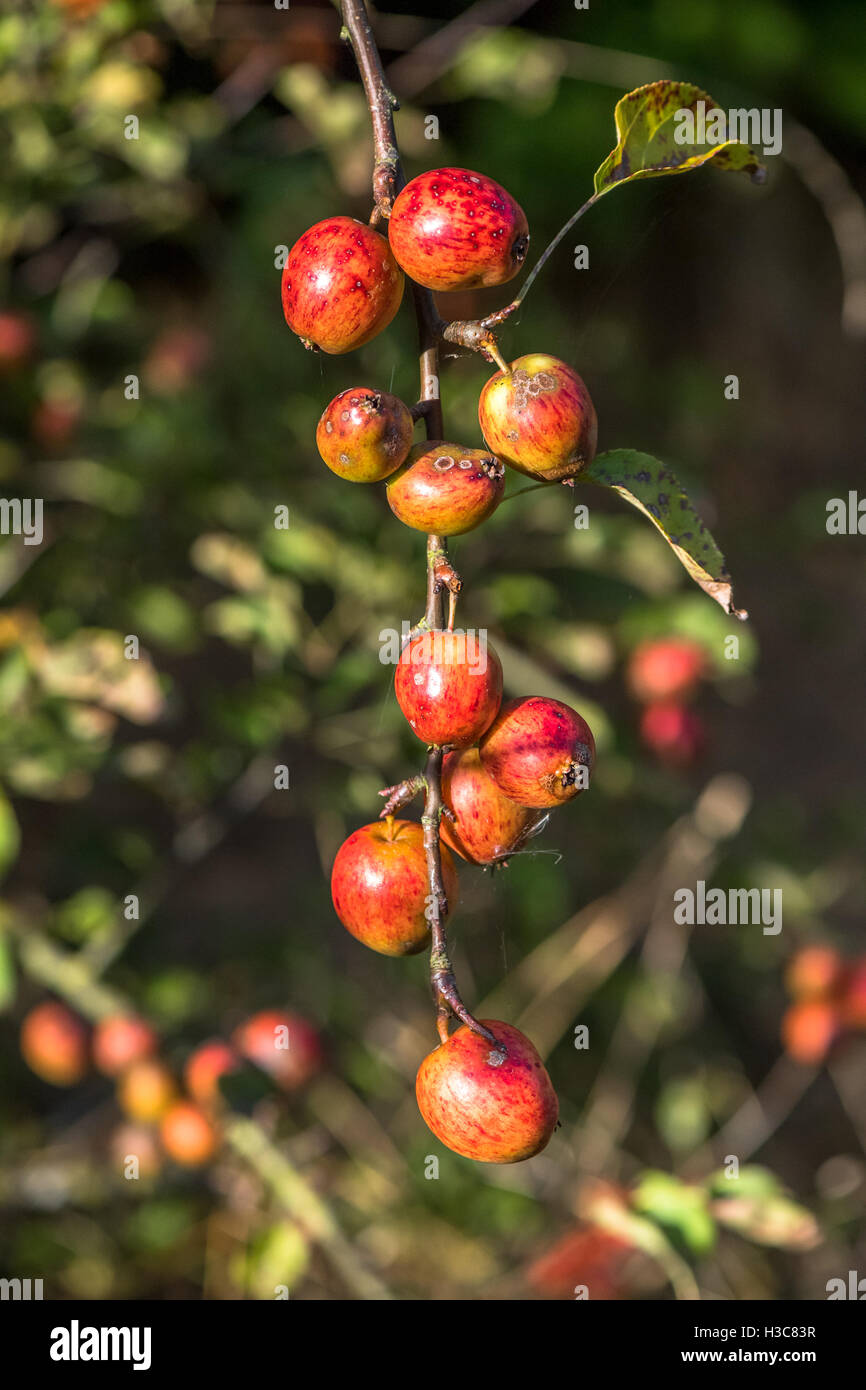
x: 449, y: 229
x: 182, y: 1121
x: 829, y: 1001
x: 505, y: 765
x: 663, y: 674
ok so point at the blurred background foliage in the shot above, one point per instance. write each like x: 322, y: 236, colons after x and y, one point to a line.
x: 157, y: 402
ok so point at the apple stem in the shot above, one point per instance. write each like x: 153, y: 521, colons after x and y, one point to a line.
x: 388, y: 179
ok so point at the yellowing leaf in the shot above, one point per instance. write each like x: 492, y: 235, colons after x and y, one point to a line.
x: 659, y: 129
x: 653, y: 489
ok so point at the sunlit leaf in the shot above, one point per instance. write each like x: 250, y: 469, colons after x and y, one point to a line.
x: 648, y: 122
x: 653, y: 489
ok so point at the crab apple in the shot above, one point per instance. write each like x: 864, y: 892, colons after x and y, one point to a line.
x: 452, y: 229
x: 283, y: 1044
x: 364, y: 435
x: 119, y: 1041
x: 17, y: 340
x: 205, y: 1066
x: 54, y: 1044
x: 446, y: 489
x: 341, y: 285
x: 187, y: 1135
x: 539, y: 752
x: 665, y: 670
x: 539, y: 418
x: 852, y: 1001
x: 675, y: 734
x: 494, y: 1106
x: 809, y: 1029
x: 146, y: 1090
x: 487, y: 825
x: 814, y: 972
x: 448, y: 685
x: 380, y: 888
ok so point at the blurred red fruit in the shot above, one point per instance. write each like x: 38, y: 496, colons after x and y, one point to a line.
x: 17, y: 340
x: 175, y: 359
x: 121, y: 1040
x: 665, y: 670
x: 813, y: 972
x: 204, y: 1068
x: 187, y: 1135
x: 809, y: 1028
x: 137, y: 1142
x: 585, y: 1257
x: 54, y: 1044
x: 146, y: 1090
x: 852, y: 1003
x: 674, y: 734
x: 284, y: 1045
x: 54, y: 422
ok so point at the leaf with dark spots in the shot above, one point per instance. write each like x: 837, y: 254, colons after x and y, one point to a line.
x: 635, y: 477
x: 647, y: 126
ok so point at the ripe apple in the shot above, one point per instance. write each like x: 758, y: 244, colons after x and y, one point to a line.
x: 539, y: 418
x: 54, y: 1044
x: 809, y: 1029
x: 364, y: 435
x: 487, y: 825
x: 146, y: 1090
x: 452, y: 229
x: 283, y: 1044
x: 446, y: 489
x: 814, y: 972
x: 380, y: 888
x: 119, y: 1041
x: 665, y: 670
x: 448, y: 685
x: 205, y: 1066
x: 675, y: 734
x: 497, y: 1107
x: 341, y: 285
x: 187, y: 1135
x: 539, y: 752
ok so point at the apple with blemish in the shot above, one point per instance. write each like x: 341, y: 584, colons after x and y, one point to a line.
x: 380, y: 887
x: 340, y: 285
x: 538, y: 418
x: 539, y: 752
x: 485, y: 1103
x: 453, y: 229
x: 446, y: 489
x: 449, y: 687
x: 285, y: 1045
x: 487, y: 826
x: 364, y: 435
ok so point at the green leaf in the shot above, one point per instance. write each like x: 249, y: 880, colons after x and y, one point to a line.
x: 653, y: 489
x: 647, y: 126
x: 681, y: 1211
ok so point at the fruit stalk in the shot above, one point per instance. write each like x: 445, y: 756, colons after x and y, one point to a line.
x: 388, y: 179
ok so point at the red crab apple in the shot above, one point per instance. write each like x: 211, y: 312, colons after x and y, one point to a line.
x: 665, y: 670
x: 852, y: 1002
x: 187, y: 1135
x: 494, y: 1106
x: 448, y: 685
x: 809, y: 1029
x: 364, y: 435
x: 538, y: 751
x: 119, y: 1041
x: 54, y: 1044
x: 814, y: 972
x: 379, y: 886
x: 205, y: 1066
x: 675, y: 734
x: 487, y: 826
x: 17, y: 340
x: 341, y: 285
x: 452, y: 229
x: 283, y: 1044
x: 538, y: 417
x: 446, y: 489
